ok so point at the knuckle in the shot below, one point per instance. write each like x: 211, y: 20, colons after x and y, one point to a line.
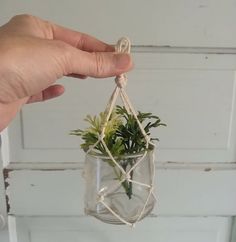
x: 99, y: 64
x: 64, y: 48
x: 24, y: 17
x: 60, y: 44
x: 64, y: 56
x: 81, y: 41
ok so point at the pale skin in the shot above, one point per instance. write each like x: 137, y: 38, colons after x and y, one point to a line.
x: 35, y: 53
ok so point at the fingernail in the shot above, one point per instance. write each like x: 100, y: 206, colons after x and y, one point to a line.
x: 122, y: 61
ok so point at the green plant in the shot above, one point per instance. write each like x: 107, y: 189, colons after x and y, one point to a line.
x: 122, y: 137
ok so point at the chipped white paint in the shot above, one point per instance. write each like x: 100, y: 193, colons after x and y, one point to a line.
x: 159, y: 166
x: 164, y: 229
x: 179, y: 192
x: 3, y: 212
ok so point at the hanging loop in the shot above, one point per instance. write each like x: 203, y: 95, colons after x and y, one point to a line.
x: 123, y: 46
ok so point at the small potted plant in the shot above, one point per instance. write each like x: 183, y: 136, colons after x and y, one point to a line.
x: 125, y: 199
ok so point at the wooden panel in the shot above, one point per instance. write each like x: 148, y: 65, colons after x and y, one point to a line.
x: 162, y: 229
x: 233, y: 234
x: 179, y: 191
x: 163, y: 23
x: 3, y: 211
x: 4, y: 235
x: 193, y: 93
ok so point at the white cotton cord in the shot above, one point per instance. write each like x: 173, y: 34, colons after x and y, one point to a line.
x: 139, y: 183
x: 113, y: 97
x: 101, y: 199
x: 126, y: 98
x: 93, y: 146
x: 145, y: 205
x: 110, y: 106
x: 153, y: 174
x: 116, y: 215
x: 125, y: 104
x: 138, y: 162
x: 123, y: 46
x: 121, y: 81
x: 112, y: 158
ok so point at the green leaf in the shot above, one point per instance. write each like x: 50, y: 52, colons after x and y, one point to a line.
x: 122, y: 133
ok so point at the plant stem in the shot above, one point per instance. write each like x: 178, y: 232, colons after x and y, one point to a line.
x: 127, y: 185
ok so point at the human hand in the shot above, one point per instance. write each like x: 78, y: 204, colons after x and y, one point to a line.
x: 35, y: 53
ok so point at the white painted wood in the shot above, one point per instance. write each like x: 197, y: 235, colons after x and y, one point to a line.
x: 168, y: 23
x: 233, y: 234
x: 163, y: 229
x: 159, y: 165
x: 180, y: 192
x: 5, y: 152
x: 3, y: 212
x: 4, y: 237
x: 13, y: 236
x: 193, y: 93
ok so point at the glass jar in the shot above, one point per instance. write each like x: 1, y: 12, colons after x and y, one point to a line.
x: 127, y: 199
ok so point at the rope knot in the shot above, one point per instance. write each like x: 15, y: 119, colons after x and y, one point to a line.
x: 127, y: 176
x: 100, y: 198
x: 121, y: 80
x: 101, y: 195
x: 151, y: 189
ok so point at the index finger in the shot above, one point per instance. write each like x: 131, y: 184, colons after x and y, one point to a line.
x: 80, y: 40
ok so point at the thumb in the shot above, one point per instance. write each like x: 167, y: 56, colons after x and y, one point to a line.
x: 98, y: 64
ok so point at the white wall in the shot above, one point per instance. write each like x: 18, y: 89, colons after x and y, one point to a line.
x: 4, y: 235
x: 4, y: 232
x: 233, y: 238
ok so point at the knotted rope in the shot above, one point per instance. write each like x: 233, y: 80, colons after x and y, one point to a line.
x: 124, y: 46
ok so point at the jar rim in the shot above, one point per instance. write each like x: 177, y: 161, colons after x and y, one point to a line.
x: 135, y: 155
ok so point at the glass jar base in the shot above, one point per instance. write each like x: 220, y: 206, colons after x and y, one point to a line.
x: 126, y: 198
x: 106, y: 216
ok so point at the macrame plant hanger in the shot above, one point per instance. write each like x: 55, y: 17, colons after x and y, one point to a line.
x: 123, y: 46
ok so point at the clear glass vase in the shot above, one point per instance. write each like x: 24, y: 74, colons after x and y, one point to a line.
x: 127, y: 199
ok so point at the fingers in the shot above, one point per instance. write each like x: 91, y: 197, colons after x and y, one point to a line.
x: 98, y: 64
x: 80, y: 40
x: 28, y: 24
x: 49, y: 93
x: 77, y: 76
